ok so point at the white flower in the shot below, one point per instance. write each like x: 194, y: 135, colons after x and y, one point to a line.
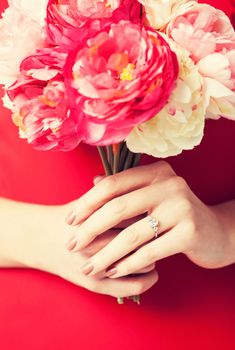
x: 180, y: 124
x: 221, y: 100
x: 219, y: 76
x: 7, y: 102
x: 36, y: 12
x: 161, y: 12
x: 20, y: 35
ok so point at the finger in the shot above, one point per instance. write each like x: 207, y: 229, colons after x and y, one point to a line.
x: 128, y: 222
x: 115, y: 185
x: 126, y: 286
x: 167, y: 245
x: 111, y: 214
x: 146, y: 269
x: 124, y: 243
x: 98, y: 179
x: 99, y: 243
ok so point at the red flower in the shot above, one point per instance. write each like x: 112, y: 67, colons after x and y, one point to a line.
x: 40, y: 104
x: 72, y: 21
x: 119, y: 79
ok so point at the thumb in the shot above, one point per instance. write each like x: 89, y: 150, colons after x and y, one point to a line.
x: 98, y: 178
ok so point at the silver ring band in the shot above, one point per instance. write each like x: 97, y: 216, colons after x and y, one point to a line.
x: 154, y: 224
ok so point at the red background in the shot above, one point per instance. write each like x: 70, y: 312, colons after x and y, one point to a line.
x: 190, y: 308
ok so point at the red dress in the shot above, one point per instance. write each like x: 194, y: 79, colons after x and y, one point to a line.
x: 190, y: 308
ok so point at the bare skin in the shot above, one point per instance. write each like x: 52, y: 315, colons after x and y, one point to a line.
x: 36, y: 236
x: 205, y: 234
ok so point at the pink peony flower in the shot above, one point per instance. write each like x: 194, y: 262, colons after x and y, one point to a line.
x: 72, y: 21
x: 208, y: 35
x: 220, y: 65
x: 218, y: 70
x: 120, y: 78
x: 20, y: 35
x: 40, y: 103
x: 198, y: 29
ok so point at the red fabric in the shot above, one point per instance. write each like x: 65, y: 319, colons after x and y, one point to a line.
x: 190, y: 308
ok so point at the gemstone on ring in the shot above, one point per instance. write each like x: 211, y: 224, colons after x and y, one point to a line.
x: 154, y: 224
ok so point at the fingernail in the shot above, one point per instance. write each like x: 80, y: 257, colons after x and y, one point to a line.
x: 71, y: 244
x: 70, y: 218
x: 111, y: 272
x: 88, y: 268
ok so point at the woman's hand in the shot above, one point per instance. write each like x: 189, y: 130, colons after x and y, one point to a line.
x: 35, y: 238
x: 186, y: 225
x: 46, y: 241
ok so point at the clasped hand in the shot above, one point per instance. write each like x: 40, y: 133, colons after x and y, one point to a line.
x: 186, y: 225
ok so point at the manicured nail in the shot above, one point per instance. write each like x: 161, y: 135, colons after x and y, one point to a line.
x: 111, y: 272
x: 88, y: 268
x: 71, y: 244
x: 70, y: 218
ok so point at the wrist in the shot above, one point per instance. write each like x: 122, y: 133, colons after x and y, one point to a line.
x: 224, y: 213
x: 46, y: 235
x: 16, y: 233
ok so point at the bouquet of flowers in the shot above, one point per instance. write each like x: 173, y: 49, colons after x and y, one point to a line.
x: 127, y: 76
x: 144, y: 73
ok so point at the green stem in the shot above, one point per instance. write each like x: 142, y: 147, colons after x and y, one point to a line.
x: 106, y: 165
x: 136, y: 299
x: 120, y: 300
x: 116, y: 161
x: 123, y: 155
x: 110, y: 155
x: 136, y: 160
x: 129, y: 160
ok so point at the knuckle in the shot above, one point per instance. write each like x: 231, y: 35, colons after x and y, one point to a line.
x: 138, y: 287
x: 111, y: 184
x: 177, y: 184
x: 91, y: 249
x: 142, y: 288
x: 129, y: 268
x: 151, y: 267
x: 150, y: 254
x: 165, y: 167
x: 147, y: 254
x: 181, y: 183
x: 160, y: 169
x: 186, y: 207
x: 142, y: 284
x: 148, y: 268
x: 117, y: 206
x: 132, y: 237
x: 83, y: 202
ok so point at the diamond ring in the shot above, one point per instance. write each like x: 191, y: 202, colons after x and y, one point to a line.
x: 154, y: 224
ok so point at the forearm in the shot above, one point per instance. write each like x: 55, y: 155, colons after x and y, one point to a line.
x: 226, y: 214
x: 22, y: 232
